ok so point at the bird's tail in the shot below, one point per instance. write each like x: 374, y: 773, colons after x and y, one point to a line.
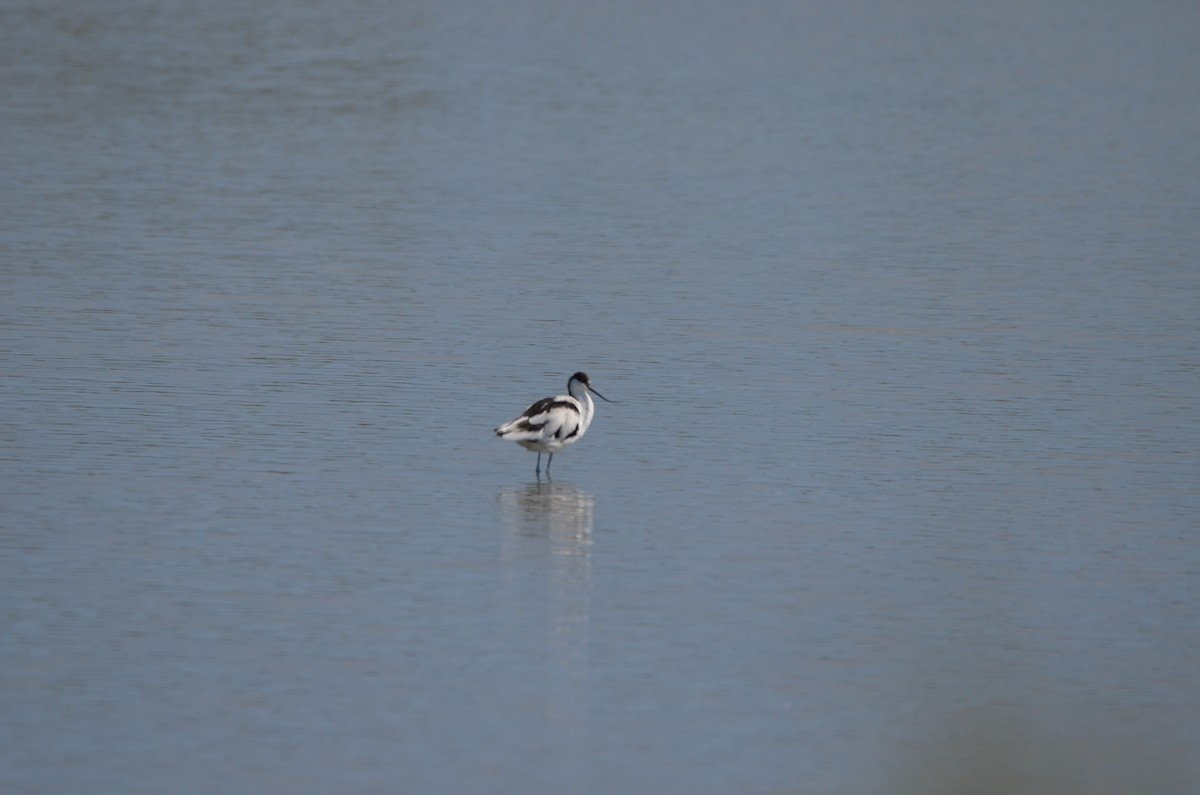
x: 518, y: 430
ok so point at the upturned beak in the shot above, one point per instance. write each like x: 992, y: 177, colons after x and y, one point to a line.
x: 597, y: 394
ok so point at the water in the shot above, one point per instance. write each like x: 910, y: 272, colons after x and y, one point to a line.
x: 899, y: 303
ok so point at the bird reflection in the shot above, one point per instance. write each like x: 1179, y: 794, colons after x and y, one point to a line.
x: 547, y: 557
x: 555, y: 510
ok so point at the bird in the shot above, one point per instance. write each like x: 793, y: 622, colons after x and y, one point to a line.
x: 554, y: 423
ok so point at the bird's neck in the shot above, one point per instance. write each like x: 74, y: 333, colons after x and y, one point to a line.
x: 580, y: 393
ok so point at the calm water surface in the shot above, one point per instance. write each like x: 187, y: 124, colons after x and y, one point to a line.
x: 901, y: 304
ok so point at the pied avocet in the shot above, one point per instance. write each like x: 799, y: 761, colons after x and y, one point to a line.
x: 554, y: 423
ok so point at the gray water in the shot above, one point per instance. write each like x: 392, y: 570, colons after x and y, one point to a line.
x: 900, y: 303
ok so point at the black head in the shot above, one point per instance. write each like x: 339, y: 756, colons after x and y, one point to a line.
x: 582, y: 378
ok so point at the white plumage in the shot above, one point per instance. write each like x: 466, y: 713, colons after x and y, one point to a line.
x: 554, y: 423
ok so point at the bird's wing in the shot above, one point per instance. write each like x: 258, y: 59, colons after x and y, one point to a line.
x: 549, y: 417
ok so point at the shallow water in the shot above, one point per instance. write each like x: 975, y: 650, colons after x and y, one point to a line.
x: 898, y: 303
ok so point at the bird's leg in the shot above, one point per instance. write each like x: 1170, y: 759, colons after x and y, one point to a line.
x: 549, y: 461
x: 537, y: 470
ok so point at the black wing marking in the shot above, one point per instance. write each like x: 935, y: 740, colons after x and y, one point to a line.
x: 538, y: 415
x: 543, y: 406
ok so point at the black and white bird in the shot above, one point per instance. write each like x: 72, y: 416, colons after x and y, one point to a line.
x: 554, y: 423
